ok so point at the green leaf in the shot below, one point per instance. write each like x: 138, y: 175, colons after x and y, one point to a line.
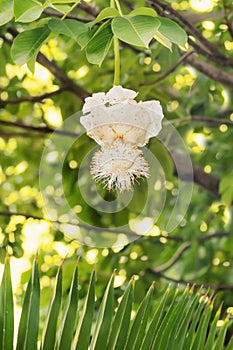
x: 179, y: 340
x: 170, y: 322
x: 66, y: 330
x: 201, y: 331
x: 6, y: 11
x: 84, y: 38
x: 219, y: 343
x: 171, y: 31
x: 121, y: 321
x: 212, y: 332
x: 137, y: 30
x: 138, y: 328
x: 31, y: 63
x: 27, y: 44
x: 83, y: 332
x: 29, y: 320
x: 155, y: 322
x: 230, y: 344
x: 104, y: 319
x: 108, y: 12
x: 163, y: 40
x: 49, y: 332
x: 99, y: 45
x: 226, y: 189
x: 144, y: 11
x: 27, y: 10
x: 191, y: 333
x: 7, y: 309
x: 61, y: 8
x: 68, y: 27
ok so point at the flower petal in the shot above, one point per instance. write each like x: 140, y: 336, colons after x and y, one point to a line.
x: 118, y: 94
x: 96, y: 100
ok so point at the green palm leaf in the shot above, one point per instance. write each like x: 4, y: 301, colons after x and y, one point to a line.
x: 6, y: 309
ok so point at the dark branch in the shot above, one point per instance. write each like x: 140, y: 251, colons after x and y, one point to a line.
x: 169, y: 71
x: 212, y: 72
x: 186, y: 245
x: 114, y: 230
x: 216, y: 287
x: 38, y: 129
x: 67, y: 83
x: 91, y: 10
x: 166, y: 10
x: 54, y: 13
x: 214, y: 122
x: 32, y: 98
x: 208, y: 181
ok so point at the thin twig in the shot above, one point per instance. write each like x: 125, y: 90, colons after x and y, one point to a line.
x: 198, y: 118
x: 169, y: 71
x: 32, y: 99
x: 39, y: 129
x: 216, y: 287
x: 54, y: 13
x: 228, y: 22
x: 186, y: 245
x: 114, y: 230
x: 179, y: 252
x: 210, y: 71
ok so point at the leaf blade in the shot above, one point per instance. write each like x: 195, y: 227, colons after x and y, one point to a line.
x: 29, y: 320
x: 136, y: 30
x: 83, y: 332
x: 104, y: 318
x: 7, y: 309
x: 69, y: 316
x: 27, y: 44
x: 49, y: 332
x: 99, y: 45
x: 27, y: 10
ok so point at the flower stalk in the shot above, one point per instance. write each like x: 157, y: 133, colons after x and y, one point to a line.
x: 116, y: 48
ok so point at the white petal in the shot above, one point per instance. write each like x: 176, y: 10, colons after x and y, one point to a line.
x: 96, y: 100
x: 118, y: 94
x: 134, y: 123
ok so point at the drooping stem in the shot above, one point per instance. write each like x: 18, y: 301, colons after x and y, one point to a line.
x: 116, y: 48
x: 117, y: 62
x: 118, y: 7
x: 70, y: 10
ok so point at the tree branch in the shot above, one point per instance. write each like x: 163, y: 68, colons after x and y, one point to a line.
x: 208, y: 181
x: 32, y: 98
x: 216, y: 287
x: 113, y: 230
x: 169, y: 71
x: 38, y: 129
x: 91, y: 10
x: 186, y: 245
x: 54, y: 13
x: 179, y: 252
x: 67, y: 83
x: 212, y: 72
x: 166, y: 10
x: 227, y: 7
x: 198, y: 118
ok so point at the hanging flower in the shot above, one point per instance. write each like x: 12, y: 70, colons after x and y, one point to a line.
x: 120, y: 125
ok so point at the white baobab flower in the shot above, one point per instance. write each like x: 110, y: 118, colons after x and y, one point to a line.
x: 120, y: 125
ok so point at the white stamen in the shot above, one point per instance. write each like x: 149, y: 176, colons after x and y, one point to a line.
x: 118, y: 165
